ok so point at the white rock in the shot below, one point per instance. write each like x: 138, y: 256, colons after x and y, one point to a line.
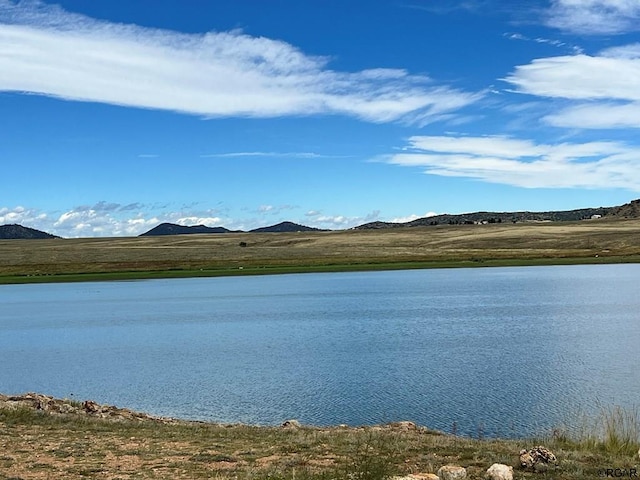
x: 499, y: 471
x: 291, y: 424
x: 452, y: 472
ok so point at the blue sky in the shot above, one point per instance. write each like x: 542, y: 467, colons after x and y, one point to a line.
x: 116, y: 116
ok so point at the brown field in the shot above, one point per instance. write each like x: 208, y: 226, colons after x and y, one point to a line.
x: 577, y: 242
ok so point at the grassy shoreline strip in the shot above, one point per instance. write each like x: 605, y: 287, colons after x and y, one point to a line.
x: 290, y: 269
x: 38, y: 444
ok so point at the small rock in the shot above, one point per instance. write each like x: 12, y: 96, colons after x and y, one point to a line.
x: 452, y: 472
x: 536, y: 456
x: 90, y: 406
x: 499, y: 471
x: 404, y: 425
x: 291, y: 424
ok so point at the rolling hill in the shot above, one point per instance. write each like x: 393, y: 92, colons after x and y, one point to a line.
x: 173, y: 229
x: 286, y: 227
x: 15, y: 231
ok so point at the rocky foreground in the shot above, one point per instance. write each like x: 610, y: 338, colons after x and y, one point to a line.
x: 48, y: 404
x: 42, y: 437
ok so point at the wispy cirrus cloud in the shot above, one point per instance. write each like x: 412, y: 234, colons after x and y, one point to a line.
x: 545, y: 41
x: 273, y: 209
x: 46, y: 50
x: 524, y: 163
x: 594, y: 17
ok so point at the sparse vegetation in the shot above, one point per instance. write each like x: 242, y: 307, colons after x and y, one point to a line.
x: 40, y: 445
x: 615, y: 430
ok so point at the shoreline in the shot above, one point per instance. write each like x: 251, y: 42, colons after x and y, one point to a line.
x: 42, y: 437
x: 98, y: 276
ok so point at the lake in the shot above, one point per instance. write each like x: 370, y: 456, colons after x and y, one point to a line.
x: 494, y: 351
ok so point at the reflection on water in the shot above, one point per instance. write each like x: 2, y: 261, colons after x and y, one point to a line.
x: 509, y: 351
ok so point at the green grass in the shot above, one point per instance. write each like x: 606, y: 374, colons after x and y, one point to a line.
x: 287, y: 269
x: 614, y: 430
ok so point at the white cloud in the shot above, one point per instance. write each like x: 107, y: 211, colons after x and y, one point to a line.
x: 580, y: 77
x: 605, y: 88
x: 106, y: 219
x: 22, y: 216
x: 597, y: 115
x: 48, y: 51
x: 315, y: 218
x: 273, y: 209
x: 548, y: 41
x: 523, y: 163
x: 196, y: 220
x: 594, y: 17
x: 116, y: 220
x: 630, y: 51
x: 412, y: 217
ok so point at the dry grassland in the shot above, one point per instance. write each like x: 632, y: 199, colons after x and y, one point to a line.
x: 617, y: 240
x: 35, y: 445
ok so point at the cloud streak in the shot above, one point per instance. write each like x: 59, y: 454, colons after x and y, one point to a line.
x: 594, y: 17
x: 46, y: 50
x: 523, y: 163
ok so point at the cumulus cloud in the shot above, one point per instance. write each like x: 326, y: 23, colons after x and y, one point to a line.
x: 199, y: 220
x: 106, y: 219
x: 594, y: 17
x: 46, y: 50
x: 524, y: 163
x: 605, y: 88
x: 101, y: 220
x: 317, y: 219
x: 23, y: 216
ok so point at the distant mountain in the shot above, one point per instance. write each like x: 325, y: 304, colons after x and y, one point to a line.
x: 15, y: 231
x: 502, y: 217
x: 173, y: 229
x: 286, y: 227
x: 629, y: 210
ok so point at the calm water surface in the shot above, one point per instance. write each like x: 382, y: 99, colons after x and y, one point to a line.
x: 507, y: 351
